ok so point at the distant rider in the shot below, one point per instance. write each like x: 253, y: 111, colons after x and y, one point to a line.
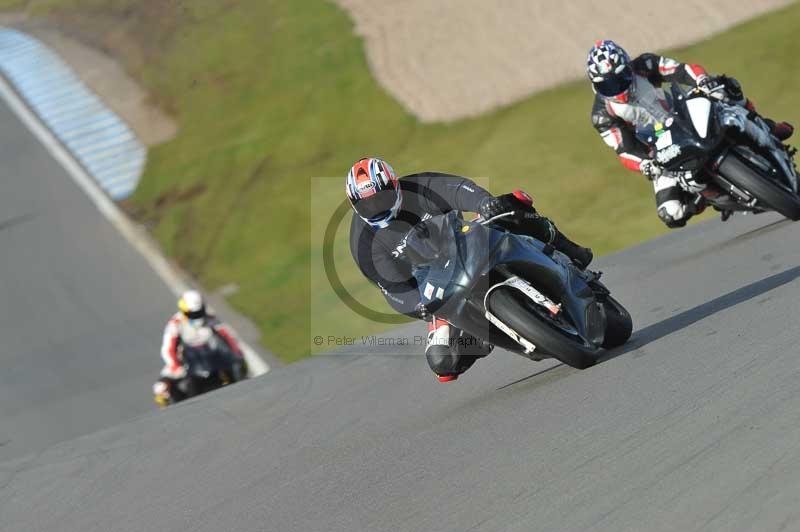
x: 386, y: 208
x: 628, y: 93
x: 191, y: 325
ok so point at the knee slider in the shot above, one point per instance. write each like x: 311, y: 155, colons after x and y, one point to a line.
x: 674, y: 209
x: 670, y: 220
x: 442, y: 360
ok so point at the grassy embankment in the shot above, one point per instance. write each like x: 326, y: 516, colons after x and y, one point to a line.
x: 270, y: 94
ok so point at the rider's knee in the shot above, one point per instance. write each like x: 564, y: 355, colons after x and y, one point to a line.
x: 673, y: 213
x: 443, y: 360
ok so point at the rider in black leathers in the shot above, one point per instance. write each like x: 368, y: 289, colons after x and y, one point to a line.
x: 386, y: 208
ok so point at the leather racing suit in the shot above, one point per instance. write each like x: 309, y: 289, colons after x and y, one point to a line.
x: 181, y: 332
x: 617, y: 118
x: 380, y: 256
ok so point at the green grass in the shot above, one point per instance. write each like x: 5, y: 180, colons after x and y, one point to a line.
x: 272, y: 94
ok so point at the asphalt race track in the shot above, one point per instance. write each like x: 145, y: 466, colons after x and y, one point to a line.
x: 695, y: 425
x: 81, y: 314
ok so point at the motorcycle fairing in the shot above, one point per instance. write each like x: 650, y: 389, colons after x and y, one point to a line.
x: 462, y: 269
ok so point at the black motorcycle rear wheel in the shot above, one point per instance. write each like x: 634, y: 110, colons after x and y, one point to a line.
x: 763, y: 188
x: 511, y: 307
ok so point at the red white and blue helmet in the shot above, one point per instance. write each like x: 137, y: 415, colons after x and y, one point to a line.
x: 373, y: 191
x: 609, y: 69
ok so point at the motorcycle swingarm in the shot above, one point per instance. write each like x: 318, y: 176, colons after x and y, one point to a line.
x: 535, y: 296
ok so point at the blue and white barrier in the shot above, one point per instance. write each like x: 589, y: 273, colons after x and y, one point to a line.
x: 95, y: 135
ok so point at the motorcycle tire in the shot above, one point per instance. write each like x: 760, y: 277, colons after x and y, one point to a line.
x: 765, y: 191
x: 508, y: 305
x: 619, y: 324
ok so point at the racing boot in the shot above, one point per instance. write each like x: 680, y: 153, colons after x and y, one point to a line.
x: 581, y: 256
x: 781, y: 130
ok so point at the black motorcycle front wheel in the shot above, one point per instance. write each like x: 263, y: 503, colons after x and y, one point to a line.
x: 550, y: 336
x: 765, y: 190
x: 619, y: 324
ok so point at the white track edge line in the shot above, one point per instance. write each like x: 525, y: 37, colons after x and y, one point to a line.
x: 133, y: 234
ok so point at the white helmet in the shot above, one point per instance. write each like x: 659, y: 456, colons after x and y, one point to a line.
x: 192, y: 305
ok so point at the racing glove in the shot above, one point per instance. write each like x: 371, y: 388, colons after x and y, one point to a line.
x: 422, y: 312
x: 495, y: 206
x: 711, y: 87
x: 733, y: 88
x: 518, y: 202
x: 650, y: 169
x: 161, y: 394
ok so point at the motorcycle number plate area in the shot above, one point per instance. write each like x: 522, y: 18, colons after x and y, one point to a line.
x: 667, y: 154
x: 534, y: 294
x: 528, y: 346
x: 665, y: 140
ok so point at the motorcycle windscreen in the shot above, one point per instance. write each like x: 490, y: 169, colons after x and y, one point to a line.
x: 207, y: 359
x: 448, y: 255
x: 426, y: 241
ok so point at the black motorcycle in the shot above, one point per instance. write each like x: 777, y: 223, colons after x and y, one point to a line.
x: 514, y: 291
x: 724, y: 155
x: 209, y: 366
